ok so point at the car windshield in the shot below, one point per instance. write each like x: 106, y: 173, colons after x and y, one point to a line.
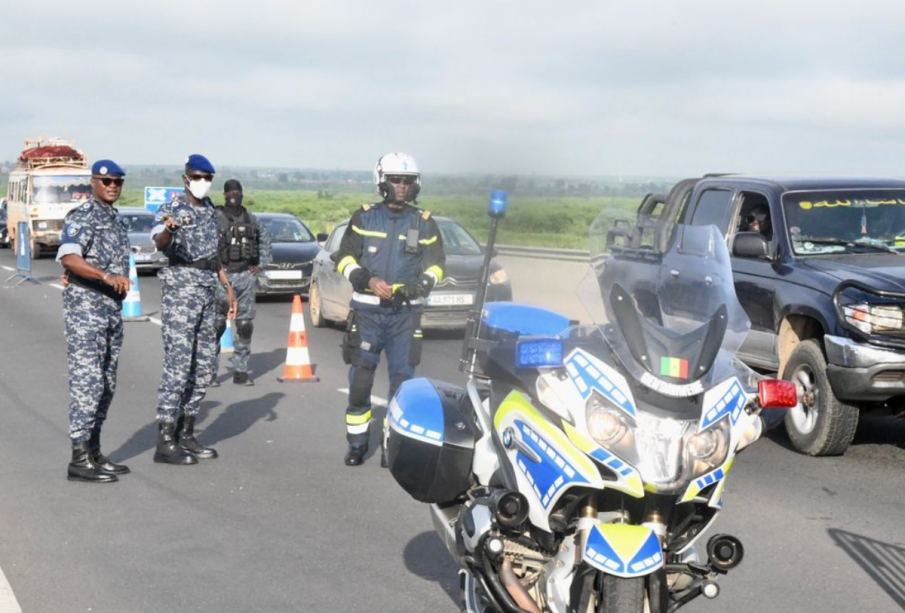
x: 288, y: 230
x: 138, y: 222
x: 846, y: 221
x: 457, y: 240
x: 60, y: 188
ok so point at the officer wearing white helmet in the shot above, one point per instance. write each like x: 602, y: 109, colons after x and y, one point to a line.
x: 392, y: 253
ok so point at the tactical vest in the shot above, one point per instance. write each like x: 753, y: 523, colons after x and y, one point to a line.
x: 238, y: 238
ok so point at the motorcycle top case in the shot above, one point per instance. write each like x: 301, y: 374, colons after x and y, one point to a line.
x: 431, y: 440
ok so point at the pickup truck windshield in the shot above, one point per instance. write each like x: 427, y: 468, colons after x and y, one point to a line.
x: 845, y: 221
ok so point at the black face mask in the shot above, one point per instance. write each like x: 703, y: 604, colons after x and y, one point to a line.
x: 234, y: 201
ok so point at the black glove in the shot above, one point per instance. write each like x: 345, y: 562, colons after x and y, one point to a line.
x: 359, y: 279
x: 413, y: 290
x: 427, y: 284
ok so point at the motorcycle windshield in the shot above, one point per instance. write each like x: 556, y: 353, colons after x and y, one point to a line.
x: 667, y: 311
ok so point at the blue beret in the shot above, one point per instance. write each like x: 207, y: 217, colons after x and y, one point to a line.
x: 198, y: 162
x: 107, y: 168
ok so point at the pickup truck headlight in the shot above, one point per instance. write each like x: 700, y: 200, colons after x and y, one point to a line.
x: 872, y: 318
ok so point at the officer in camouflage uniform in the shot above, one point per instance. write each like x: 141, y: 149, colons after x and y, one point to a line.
x: 95, y: 255
x: 245, y: 248
x: 392, y: 254
x: 186, y: 232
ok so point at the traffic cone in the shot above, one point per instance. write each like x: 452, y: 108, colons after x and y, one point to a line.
x: 132, y: 303
x: 298, y: 362
x: 226, y: 341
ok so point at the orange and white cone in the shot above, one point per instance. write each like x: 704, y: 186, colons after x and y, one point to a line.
x: 298, y: 363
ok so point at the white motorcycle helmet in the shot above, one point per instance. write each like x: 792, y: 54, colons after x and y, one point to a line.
x: 393, y: 164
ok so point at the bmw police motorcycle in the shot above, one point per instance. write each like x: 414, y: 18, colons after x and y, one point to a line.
x: 581, y: 466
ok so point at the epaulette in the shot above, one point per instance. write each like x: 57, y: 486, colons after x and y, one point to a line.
x: 366, y: 206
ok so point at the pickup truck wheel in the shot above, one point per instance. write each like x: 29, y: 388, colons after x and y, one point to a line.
x: 821, y: 424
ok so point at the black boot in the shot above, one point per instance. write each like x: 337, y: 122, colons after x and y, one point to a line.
x: 356, y: 455
x: 100, y: 459
x: 187, y: 439
x: 168, y: 451
x: 242, y: 378
x: 83, y: 467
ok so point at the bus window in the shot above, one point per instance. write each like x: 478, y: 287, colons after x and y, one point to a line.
x: 60, y: 188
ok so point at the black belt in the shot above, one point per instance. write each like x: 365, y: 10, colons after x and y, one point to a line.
x: 97, y: 286
x: 204, y: 264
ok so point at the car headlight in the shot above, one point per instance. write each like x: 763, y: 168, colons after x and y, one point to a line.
x: 499, y: 277
x: 872, y: 318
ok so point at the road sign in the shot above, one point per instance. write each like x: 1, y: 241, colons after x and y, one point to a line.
x: 155, y: 196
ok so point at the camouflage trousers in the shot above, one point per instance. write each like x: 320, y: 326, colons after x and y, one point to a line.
x: 189, y: 315
x: 94, y: 337
x: 244, y: 284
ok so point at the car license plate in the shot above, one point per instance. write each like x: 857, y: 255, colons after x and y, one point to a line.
x: 450, y: 299
x: 284, y: 274
x: 142, y: 257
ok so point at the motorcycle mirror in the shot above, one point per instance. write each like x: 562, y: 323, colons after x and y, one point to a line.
x: 777, y: 394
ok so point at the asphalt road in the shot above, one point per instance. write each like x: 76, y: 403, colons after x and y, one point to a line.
x: 279, y: 524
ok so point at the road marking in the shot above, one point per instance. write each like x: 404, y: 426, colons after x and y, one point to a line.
x: 55, y: 285
x: 374, y: 399
x: 153, y: 320
x: 9, y: 268
x: 8, y: 602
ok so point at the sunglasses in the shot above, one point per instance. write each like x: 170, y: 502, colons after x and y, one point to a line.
x: 108, y: 181
x: 755, y: 217
x: 201, y: 177
x: 396, y: 180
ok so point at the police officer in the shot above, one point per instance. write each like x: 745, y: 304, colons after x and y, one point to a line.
x: 94, y: 252
x: 392, y: 253
x: 245, y: 247
x: 186, y: 232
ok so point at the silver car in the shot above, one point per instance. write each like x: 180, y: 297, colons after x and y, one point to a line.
x: 448, y: 304
x: 139, y: 223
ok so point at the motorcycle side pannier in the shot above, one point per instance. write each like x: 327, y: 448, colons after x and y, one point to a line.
x: 431, y: 440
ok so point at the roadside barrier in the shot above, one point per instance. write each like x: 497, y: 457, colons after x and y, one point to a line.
x: 298, y: 367
x: 132, y: 303
x: 226, y: 340
x: 23, y: 256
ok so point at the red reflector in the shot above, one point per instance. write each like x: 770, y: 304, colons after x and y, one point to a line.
x: 777, y: 394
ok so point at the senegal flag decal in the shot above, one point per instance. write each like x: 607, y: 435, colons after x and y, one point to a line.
x: 674, y: 367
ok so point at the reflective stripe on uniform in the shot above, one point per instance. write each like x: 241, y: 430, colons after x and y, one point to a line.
x: 436, y: 272
x: 375, y: 300
x: 357, y: 420
x: 358, y: 230
x: 428, y: 241
x: 362, y: 429
x: 346, y: 261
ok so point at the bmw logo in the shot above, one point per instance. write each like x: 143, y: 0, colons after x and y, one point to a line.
x: 507, y: 437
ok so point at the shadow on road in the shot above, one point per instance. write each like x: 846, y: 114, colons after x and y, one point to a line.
x: 239, y: 417
x: 426, y: 557
x: 146, y: 438
x: 883, y: 562
x: 261, y: 364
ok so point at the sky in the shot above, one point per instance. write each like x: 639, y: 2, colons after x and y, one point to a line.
x: 575, y: 87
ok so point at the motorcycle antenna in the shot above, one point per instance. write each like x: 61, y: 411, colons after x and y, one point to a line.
x: 496, y: 210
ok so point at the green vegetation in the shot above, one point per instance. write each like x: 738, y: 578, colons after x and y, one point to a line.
x: 542, y: 213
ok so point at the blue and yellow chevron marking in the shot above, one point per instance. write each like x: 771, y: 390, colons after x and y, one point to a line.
x: 709, y: 479
x: 623, y: 550
x: 561, y: 464
x: 587, y: 377
x: 629, y: 480
x: 731, y: 403
x: 417, y: 412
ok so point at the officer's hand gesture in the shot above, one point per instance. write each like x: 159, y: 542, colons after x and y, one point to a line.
x: 119, y: 283
x: 170, y: 223
x: 381, y: 288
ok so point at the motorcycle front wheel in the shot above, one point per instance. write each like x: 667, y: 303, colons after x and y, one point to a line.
x: 621, y: 595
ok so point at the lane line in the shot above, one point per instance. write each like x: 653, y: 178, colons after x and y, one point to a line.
x: 374, y: 399
x: 9, y: 268
x: 55, y: 285
x: 153, y: 320
x: 8, y: 602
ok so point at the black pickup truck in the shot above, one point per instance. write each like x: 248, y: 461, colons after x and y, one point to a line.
x: 819, y: 266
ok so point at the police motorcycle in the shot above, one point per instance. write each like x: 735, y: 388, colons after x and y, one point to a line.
x: 581, y: 466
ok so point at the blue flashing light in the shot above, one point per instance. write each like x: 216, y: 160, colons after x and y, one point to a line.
x: 540, y: 353
x: 498, y: 200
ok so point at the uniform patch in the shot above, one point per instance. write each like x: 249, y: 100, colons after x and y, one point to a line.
x: 73, y: 229
x: 372, y: 249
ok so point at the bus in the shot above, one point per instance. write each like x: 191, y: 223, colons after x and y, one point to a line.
x: 51, y: 178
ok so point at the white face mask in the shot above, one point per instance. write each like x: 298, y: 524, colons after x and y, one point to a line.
x: 200, y: 188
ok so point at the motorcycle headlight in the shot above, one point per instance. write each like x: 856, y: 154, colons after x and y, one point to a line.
x: 871, y: 318
x: 611, y: 428
x: 707, y: 450
x: 498, y: 277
